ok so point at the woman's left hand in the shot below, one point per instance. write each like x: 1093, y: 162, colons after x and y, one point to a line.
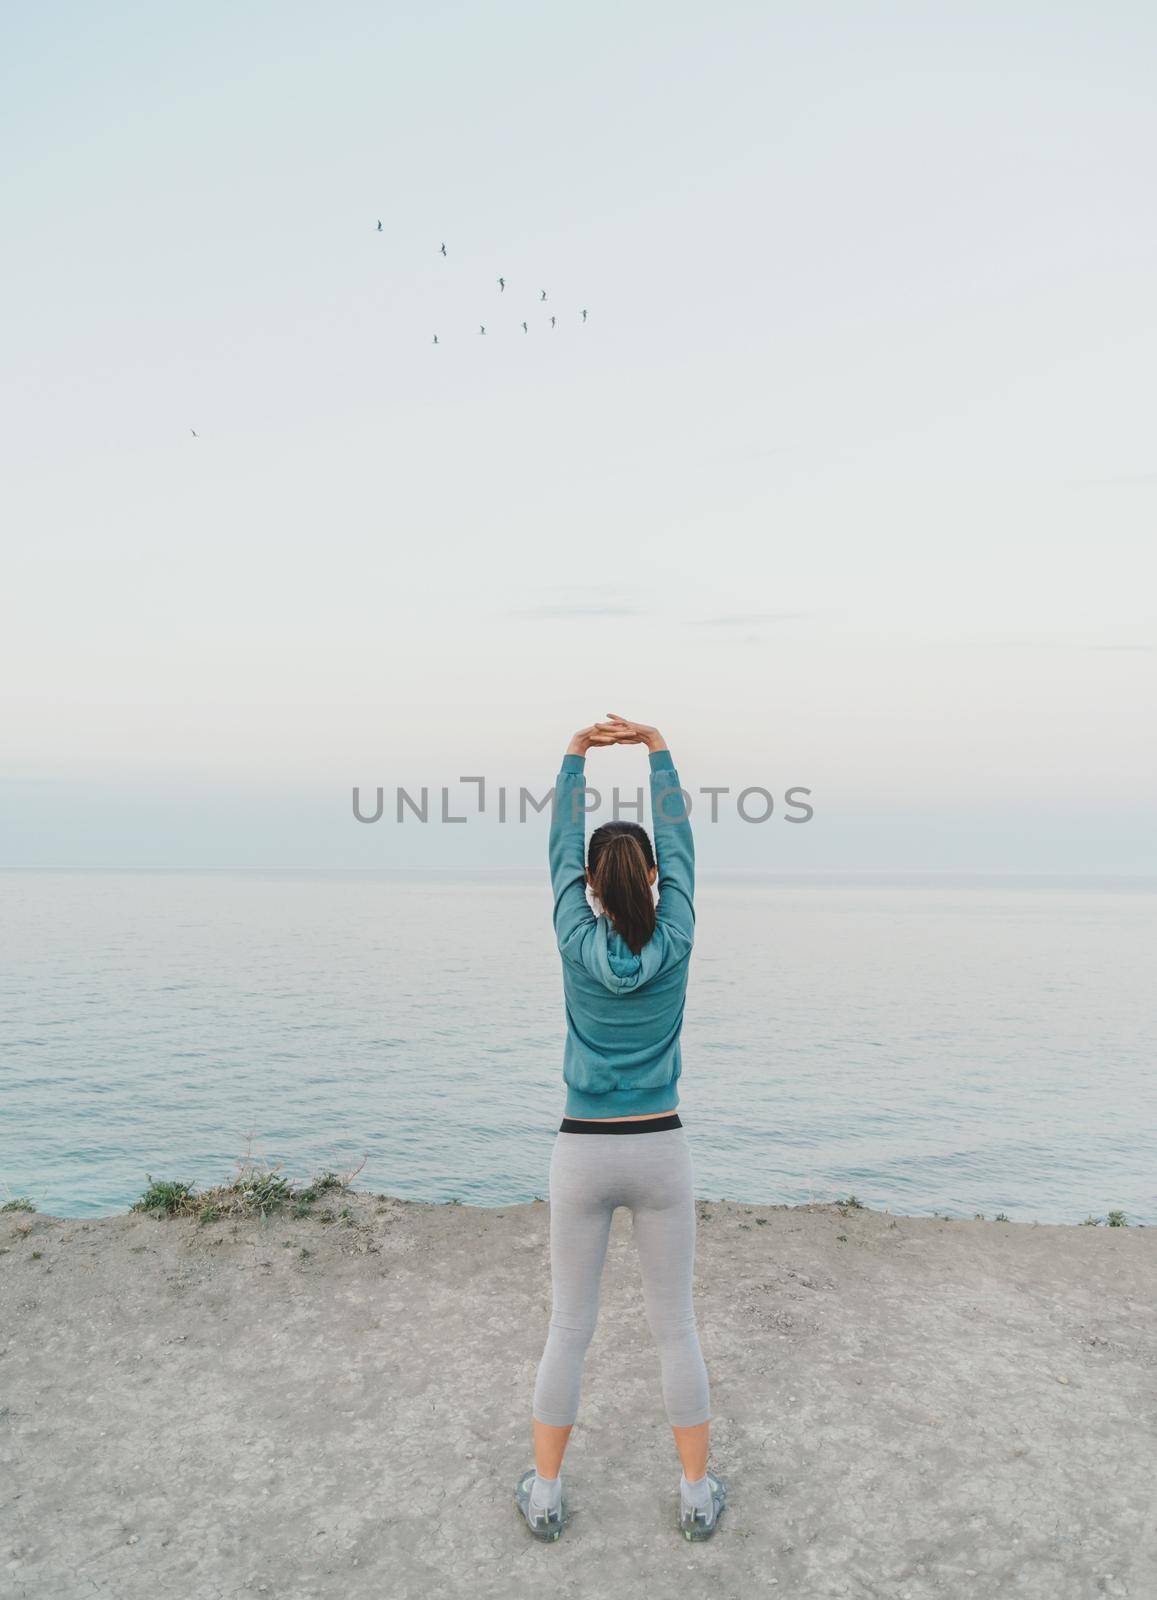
x: 585, y: 738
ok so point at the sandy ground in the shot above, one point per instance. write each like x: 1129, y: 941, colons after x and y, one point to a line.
x: 903, y: 1407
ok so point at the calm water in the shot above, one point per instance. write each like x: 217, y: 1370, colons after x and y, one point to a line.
x: 960, y: 1049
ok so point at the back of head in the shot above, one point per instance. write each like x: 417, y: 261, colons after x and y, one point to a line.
x: 619, y: 862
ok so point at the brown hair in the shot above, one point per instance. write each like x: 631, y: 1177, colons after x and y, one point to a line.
x: 619, y: 861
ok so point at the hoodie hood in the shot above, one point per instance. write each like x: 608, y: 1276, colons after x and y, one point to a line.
x: 614, y: 963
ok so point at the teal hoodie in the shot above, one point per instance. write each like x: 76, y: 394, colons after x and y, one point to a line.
x: 624, y: 1012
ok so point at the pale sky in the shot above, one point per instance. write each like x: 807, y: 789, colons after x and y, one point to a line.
x: 848, y: 482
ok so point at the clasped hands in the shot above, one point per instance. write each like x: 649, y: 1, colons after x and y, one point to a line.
x: 615, y: 730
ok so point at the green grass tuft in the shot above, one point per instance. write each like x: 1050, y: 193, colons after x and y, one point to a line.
x: 258, y: 1190
x: 166, y: 1199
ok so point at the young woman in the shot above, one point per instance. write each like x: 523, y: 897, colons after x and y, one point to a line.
x: 624, y: 983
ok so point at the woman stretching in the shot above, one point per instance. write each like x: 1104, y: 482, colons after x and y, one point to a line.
x: 624, y: 976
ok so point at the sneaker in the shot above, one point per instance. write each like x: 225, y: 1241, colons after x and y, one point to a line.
x: 701, y: 1524
x: 544, y: 1523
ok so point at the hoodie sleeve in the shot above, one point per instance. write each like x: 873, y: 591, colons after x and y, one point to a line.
x: 567, y: 849
x: 674, y: 845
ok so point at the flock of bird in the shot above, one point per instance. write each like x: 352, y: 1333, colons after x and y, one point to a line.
x: 502, y: 290
x: 481, y: 326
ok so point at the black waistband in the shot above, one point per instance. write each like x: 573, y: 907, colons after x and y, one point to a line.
x: 621, y: 1124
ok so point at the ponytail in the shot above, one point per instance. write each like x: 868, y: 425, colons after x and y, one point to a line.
x: 619, y: 861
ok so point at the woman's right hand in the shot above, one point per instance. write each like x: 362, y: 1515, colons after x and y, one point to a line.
x: 625, y: 732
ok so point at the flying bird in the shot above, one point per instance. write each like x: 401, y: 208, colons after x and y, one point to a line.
x: 584, y: 316
x: 552, y: 322
x: 379, y: 224
x: 443, y: 249
x: 481, y: 327
x: 435, y: 338
x: 501, y: 285
x: 195, y: 434
x: 542, y: 294
x: 525, y: 329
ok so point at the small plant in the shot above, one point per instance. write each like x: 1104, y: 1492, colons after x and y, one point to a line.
x: 978, y: 1216
x: 38, y: 1255
x: 1001, y: 1217
x: 1116, y: 1219
x: 841, y: 1238
x: 314, y: 1191
x: 164, y: 1199
x: 261, y: 1189
x: 19, y: 1204
x: 851, y: 1204
x: 257, y: 1189
x: 1091, y: 1221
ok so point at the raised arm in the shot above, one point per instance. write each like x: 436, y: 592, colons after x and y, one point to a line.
x: 567, y: 843
x: 674, y: 841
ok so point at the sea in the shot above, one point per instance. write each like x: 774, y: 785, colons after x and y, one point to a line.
x: 958, y: 1047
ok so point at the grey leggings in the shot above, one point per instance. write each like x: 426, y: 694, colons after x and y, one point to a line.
x: 591, y: 1174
